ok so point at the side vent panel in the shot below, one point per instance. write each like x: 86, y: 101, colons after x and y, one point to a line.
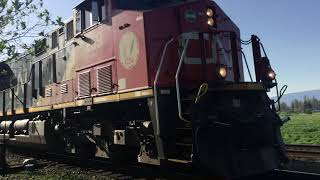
x: 84, y: 84
x: 49, y: 92
x: 104, y: 80
x: 64, y: 89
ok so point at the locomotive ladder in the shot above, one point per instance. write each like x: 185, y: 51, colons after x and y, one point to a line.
x: 156, y: 79
x: 182, y: 130
x: 182, y: 140
x: 177, y: 82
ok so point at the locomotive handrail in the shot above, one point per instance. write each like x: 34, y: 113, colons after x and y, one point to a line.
x: 177, y: 81
x: 156, y: 82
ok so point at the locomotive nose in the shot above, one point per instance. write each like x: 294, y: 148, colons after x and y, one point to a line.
x: 239, y: 143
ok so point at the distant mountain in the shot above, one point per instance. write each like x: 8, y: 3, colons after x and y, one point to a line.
x: 288, y: 98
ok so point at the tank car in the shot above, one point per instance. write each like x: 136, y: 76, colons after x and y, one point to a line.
x: 151, y: 81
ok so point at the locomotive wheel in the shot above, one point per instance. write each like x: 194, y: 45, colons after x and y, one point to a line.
x: 123, y: 154
x: 86, y: 151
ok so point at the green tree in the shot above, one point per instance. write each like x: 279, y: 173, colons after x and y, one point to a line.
x: 297, y: 106
x: 284, y: 107
x: 292, y: 106
x: 307, y: 105
x: 21, y: 21
x: 315, y: 103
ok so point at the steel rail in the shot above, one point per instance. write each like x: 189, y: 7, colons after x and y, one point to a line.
x: 133, y: 170
x: 306, y: 152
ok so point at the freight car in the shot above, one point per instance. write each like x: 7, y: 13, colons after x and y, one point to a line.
x: 145, y: 80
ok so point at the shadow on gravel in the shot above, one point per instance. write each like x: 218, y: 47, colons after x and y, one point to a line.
x: 285, y: 174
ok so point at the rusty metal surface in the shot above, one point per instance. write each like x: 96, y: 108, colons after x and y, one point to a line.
x: 304, y: 152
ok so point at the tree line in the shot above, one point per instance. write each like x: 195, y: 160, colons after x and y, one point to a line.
x: 22, y: 22
x: 307, y: 105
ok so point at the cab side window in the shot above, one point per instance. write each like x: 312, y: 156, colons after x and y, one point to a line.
x: 89, y: 13
x: 54, y: 40
x: 69, y: 31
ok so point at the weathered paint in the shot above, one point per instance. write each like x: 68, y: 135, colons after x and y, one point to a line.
x: 132, y: 62
x: 132, y: 44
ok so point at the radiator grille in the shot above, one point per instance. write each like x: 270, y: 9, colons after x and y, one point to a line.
x: 84, y: 84
x: 104, y: 80
x: 49, y: 92
x: 64, y: 89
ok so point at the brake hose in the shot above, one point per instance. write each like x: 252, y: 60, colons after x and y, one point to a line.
x: 202, y: 91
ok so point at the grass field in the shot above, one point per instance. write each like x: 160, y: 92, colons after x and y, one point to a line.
x: 302, y: 129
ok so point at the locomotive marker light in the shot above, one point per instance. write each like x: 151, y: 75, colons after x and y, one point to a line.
x: 210, y: 22
x: 271, y: 74
x: 209, y: 12
x: 221, y: 71
x: 268, y: 77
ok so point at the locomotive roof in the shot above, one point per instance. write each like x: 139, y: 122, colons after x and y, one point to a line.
x: 144, y: 4
x: 82, y: 3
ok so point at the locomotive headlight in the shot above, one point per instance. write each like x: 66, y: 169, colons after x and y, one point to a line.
x: 271, y: 74
x: 221, y: 71
x: 209, y: 12
x: 210, y: 22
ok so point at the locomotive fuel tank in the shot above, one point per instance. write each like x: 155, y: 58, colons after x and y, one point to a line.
x: 21, y: 126
x: 30, y: 134
x: 5, y: 126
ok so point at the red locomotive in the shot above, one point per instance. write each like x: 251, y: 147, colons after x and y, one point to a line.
x: 145, y: 80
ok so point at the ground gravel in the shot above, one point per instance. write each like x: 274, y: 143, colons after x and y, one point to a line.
x: 55, y: 171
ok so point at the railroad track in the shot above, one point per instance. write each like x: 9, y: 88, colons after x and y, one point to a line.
x: 133, y: 171
x: 104, y: 168
x: 288, y: 174
x: 304, y: 152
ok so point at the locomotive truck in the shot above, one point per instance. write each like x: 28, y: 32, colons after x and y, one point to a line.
x: 150, y: 81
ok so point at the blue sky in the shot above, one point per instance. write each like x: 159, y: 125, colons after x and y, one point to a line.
x: 289, y: 30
